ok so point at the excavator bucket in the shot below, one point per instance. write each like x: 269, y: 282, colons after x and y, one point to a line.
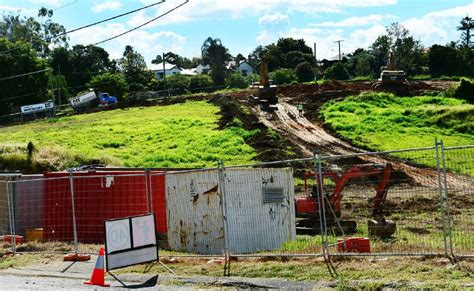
x: 381, y: 228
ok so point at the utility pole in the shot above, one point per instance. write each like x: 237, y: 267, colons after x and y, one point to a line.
x: 59, y: 92
x: 315, y: 58
x: 339, y: 43
x: 164, y: 72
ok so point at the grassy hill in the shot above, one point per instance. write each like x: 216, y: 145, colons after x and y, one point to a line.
x: 380, y: 121
x: 179, y: 135
x: 384, y: 121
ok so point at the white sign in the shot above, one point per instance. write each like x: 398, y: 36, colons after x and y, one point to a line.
x: 143, y: 231
x: 118, y: 235
x: 27, y: 109
x: 130, y: 241
x: 82, y: 99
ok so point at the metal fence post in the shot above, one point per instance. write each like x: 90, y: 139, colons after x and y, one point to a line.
x: 448, y: 212
x: 221, y: 169
x: 148, y: 191
x: 11, y: 215
x: 441, y: 198
x: 71, y: 183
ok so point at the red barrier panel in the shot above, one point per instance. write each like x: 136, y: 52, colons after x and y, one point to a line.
x: 99, y: 196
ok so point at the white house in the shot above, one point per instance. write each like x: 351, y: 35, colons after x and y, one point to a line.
x: 170, y: 70
x: 245, y: 68
x: 202, y: 69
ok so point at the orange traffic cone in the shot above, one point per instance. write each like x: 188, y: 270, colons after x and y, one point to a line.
x: 98, y: 275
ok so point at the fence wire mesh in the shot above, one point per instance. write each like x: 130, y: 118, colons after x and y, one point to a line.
x: 459, y: 163
x: 302, y: 207
x: 393, y: 200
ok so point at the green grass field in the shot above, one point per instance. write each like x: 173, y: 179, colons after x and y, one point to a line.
x: 381, y: 121
x: 179, y: 135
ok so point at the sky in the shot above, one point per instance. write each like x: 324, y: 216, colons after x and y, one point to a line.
x: 242, y: 25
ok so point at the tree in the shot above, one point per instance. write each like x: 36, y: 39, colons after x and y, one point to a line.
x: 466, y: 24
x: 444, y: 60
x: 283, y: 76
x: 112, y: 83
x: 337, y: 72
x: 238, y: 58
x: 304, y: 72
x: 40, y: 35
x: 215, y: 55
x: 174, y: 59
x: 236, y: 80
x: 134, y: 69
x: 407, y: 51
x: 58, y: 85
x: 20, y: 58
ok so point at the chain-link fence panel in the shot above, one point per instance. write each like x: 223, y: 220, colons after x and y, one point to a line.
x: 388, y: 203
x: 103, y: 196
x: 459, y: 178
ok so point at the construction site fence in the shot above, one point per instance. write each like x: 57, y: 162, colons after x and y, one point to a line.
x: 250, y: 211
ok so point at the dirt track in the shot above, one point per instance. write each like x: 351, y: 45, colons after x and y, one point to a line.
x: 311, y: 137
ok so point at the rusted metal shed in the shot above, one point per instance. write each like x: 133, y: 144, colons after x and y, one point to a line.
x: 259, y: 207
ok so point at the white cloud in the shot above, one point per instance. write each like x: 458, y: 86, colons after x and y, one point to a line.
x: 439, y: 26
x: 146, y: 43
x: 277, y: 18
x: 109, y: 5
x: 357, y: 21
x: 220, y: 9
x: 47, y: 3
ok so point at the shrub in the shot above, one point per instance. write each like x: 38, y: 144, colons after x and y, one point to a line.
x: 283, y: 76
x: 236, y: 80
x: 337, y: 72
x: 304, y: 72
x: 465, y: 90
x: 200, y: 81
x: 177, y: 81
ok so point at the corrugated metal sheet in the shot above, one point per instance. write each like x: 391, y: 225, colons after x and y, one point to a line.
x: 28, y: 196
x: 194, y: 212
x: 254, y: 225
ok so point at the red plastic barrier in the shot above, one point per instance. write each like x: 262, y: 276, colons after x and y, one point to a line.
x: 99, y: 196
x: 354, y: 245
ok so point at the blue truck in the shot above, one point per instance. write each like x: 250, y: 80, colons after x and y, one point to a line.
x: 106, y: 99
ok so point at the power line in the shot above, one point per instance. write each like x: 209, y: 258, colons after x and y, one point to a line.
x: 137, y: 27
x: 95, y: 23
x: 25, y: 74
x: 108, y: 19
x: 65, y: 5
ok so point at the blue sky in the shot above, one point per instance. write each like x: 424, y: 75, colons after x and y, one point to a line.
x: 242, y: 25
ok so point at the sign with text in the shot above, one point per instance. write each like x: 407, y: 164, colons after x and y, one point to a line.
x: 130, y: 241
x: 34, y: 108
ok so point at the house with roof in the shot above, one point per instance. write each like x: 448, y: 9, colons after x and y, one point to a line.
x: 242, y: 67
x: 169, y: 70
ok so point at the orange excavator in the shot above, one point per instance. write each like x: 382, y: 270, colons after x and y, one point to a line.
x: 308, y: 208
x: 267, y: 93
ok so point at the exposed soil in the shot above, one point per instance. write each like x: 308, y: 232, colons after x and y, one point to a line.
x: 308, y: 134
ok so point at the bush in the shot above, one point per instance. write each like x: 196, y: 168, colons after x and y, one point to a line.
x: 304, y: 72
x: 283, y: 76
x: 177, y: 81
x: 465, y: 90
x: 200, y: 81
x: 236, y: 80
x: 337, y: 72
x: 112, y: 83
